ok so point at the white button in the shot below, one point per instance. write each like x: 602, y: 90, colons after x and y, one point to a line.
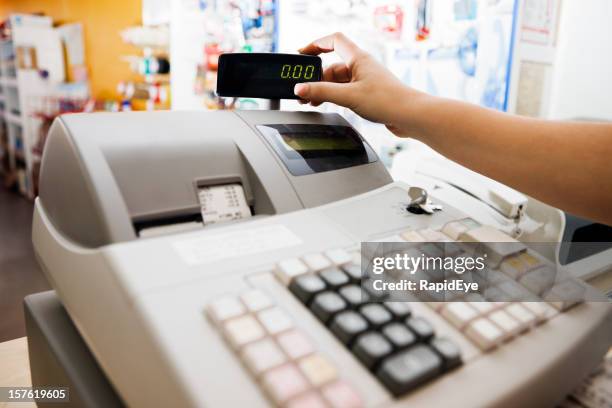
x: 295, y: 344
x: 318, y: 369
x: 540, y: 280
x: 459, y: 314
x: 516, y: 292
x: 356, y: 258
x: 338, y: 256
x: 275, y: 320
x: 262, y: 356
x: 498, y: 245
x: 542, y: 311
x: 454, y: 229
x: 483, y: 307
x: 495, y: 295
x: 225, y: 308
x: 289, y: 269
x: 432, y: 236
x: 474, y: 297
x: 484, y: 333
x: 255, y: 300
x: 523, y: 315
x: 437, y: 306
x: 413, y: 236
x: 510, y: 326
x: 316, y: 262
x: 243, y: 330
x: 514, y: 267
x: 565, y: 294
x: 390, y: 238
x: 530, y: 260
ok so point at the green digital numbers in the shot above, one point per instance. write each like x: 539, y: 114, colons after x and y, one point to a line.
x: 297, y: 71
x: 309, y: 72
x: 286, y: 71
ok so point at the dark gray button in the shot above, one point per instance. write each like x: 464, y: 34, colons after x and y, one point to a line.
x: 370, y: 348
x: 420, y: 327
x: 353, y: 271
x: 375, y: 295
x: 354, y: 296
x: 326, y: 304
x: 449, y: 351
x: 399, y: 335
x: 304, y: 287
x: 347, y: 325
x: 408, y: 369
x: 376, y: 314
x: 334, y: 277
x: 400, y: 310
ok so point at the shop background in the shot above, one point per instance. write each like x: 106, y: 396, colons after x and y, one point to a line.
x: 102, y: 21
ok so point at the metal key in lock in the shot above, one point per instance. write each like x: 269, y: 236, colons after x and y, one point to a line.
x: 420, y: 203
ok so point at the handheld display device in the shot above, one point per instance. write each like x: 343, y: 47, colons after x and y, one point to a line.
x: 269, y: 76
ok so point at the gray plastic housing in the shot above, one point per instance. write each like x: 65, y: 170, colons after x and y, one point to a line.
x: 102, y: 173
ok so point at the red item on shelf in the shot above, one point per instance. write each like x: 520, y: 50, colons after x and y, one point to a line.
x: 390, y: 20
x: 211, y: 54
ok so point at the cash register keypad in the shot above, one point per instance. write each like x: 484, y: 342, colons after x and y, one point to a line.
x: 400, y: 348
x: 280, y: 356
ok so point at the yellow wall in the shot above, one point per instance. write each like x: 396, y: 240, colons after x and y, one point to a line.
x: 102, y: 21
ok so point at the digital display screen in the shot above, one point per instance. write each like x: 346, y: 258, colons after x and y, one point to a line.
x: 270, y: 76
x: 308, y: 149
x: 316, y: 142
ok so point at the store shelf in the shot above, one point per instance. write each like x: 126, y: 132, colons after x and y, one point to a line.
x: 8, y: 81
x: 13, y: 118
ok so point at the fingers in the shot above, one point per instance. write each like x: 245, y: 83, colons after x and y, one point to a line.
x: 319, y: 92
x: 338, y: 42
x: 338, y: 72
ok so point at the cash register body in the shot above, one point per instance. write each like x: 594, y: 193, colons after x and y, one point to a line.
x: 139, y: 303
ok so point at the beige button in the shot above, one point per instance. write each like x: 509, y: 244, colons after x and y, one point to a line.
x: 283, y: 383
x: 522, y: 314
x: 530, y: 261
x: 338, y: 256
x: 316, y: 262
x: 509, y: 325
x: 295, y: 344
x: 514, y: 267
x: 318, y: 370
x: 483, y: 307
x: 484, y: 334
x: 243, y: 330
x: 225, y: 308
x: 432, y: 235
x: 454, y: 229
x: 288, y: 269
x: 543, y: 311
x: 341, y: 395
x: 412, y: 236
x: 262, y: 355
x: 256, y: 300
x: 539, y: 281
x: 459, y: 314
x: 565, y: 294
x: 309, y: 400
x: 275, y: 320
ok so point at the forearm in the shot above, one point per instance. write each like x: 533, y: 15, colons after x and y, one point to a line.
x: 568, y: 165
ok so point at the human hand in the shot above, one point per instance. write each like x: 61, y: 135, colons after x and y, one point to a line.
x: 361, y: 84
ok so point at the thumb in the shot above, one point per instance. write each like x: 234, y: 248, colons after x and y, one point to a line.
x: 319, y: 92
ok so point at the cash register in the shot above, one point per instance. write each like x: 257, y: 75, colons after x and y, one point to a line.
x: 213, y: 259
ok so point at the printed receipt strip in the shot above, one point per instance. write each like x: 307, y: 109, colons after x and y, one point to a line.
x: 223, y: 203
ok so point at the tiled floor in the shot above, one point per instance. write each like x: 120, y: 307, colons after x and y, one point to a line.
x: 19, y: 271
